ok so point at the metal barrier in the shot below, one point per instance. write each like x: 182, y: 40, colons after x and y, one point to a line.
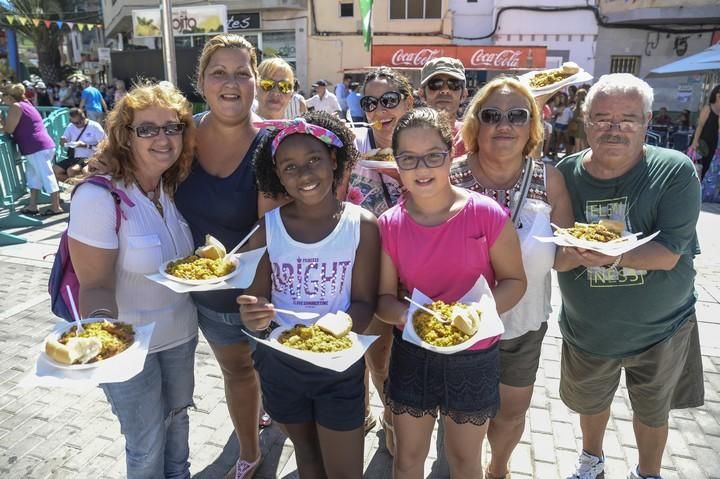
x: 12, y: 176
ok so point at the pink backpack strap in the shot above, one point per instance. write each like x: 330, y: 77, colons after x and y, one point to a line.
x: 118, y: 195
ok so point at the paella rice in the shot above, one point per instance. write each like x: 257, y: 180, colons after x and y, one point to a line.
x: 434, y: 332
x: 196, y: 268
x: 592, y: 232
x: 115, y: 337
x: 314, y: 339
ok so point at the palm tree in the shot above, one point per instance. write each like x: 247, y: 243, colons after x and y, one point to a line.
x: 47, y: 40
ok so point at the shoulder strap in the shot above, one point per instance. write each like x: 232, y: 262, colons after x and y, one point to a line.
x: 118, y: 195
x: 82, y: 131
x: 525, y: 186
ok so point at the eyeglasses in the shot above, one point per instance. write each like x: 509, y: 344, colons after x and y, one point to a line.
x: 453, y: 84
x: 283, y: 86
x: 625, y: 126
x: 514, y: 116
x: 389, y: 100
x: 151, y: 131
x: 431, y: 160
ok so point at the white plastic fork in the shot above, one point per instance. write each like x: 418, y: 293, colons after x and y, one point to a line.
x: 298, y: 314
x: 432, y: 313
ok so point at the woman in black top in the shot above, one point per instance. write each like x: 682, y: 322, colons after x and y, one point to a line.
x: 707, y: 129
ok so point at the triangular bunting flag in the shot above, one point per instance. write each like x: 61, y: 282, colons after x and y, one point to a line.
x: 59, y: 23
x: 10, y: 18
x: 36, y: 21
x: 81, y: 26
x: 70, y: 25
x: 23, y: 20
x: 48, y: 23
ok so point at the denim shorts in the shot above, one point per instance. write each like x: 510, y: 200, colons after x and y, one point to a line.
x: 296, y: 392
x: 464, y: 386
x: 152, y: 410
x: 221, y: 329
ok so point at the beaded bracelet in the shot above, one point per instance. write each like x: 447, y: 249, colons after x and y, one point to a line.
x: 617, y: 261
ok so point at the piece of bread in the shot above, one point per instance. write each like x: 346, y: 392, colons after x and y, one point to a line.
x: 613, y: 225
x: 570, y: 68
x: 213, y: 248
x: 76, y: 351
x: 465, y: 318
x: 339, y: 325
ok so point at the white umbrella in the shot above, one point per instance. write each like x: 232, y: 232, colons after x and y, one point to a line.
x: 703, y: 62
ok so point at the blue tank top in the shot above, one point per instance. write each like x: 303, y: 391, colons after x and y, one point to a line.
x: 223, y: 207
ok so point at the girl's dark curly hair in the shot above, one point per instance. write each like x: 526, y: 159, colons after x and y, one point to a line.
x: 267, y: 179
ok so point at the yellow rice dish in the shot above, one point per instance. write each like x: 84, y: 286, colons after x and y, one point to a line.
x: 115, y: 337
x: 434, y: 332
x: 592, y: 232
x: 196, y: 268
x: 314, y: 339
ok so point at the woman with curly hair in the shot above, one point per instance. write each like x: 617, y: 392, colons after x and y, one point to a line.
x: 322, y: 257
x: 147, y: 153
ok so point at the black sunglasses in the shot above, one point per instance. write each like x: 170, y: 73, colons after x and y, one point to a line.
x: 453, y: 84
x: 514, y: 116
x: 389, y: 100
x: 151, y: 131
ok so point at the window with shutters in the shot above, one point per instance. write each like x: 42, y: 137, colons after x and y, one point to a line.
x: 624, y: 64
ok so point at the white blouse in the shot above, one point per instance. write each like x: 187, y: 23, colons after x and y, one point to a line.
x: 144, y: 242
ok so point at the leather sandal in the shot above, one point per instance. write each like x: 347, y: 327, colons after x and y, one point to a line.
x: 389, y: 436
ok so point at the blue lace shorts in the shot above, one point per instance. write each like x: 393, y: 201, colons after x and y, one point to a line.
x: 464, y: 386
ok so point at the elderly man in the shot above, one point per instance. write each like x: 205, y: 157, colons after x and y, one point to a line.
x: 442, y: 86
x: 81, y: 138
x: 635, y: 311
x: 324, y: 100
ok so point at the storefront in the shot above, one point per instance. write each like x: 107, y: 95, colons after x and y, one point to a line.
x: 481, y: 61
x: 270, y: 43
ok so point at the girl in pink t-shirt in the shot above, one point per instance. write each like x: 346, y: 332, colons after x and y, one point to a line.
x: 440, y: 240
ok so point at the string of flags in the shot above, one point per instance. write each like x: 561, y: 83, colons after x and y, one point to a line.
x: 23, y: 20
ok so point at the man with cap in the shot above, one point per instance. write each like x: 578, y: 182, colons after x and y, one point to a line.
x: 324, y: 100
x: 442, y: 86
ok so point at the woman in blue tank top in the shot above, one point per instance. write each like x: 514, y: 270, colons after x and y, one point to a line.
x: 220, y: 198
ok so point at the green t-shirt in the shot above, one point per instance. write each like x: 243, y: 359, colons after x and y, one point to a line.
x: 620, y: 313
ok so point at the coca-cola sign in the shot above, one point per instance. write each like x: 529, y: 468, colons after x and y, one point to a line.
x: 502, y: 60
x: 477, y: 57
x: 402, y: 58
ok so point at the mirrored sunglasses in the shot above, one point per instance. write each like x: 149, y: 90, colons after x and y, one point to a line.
x: 389, y: 100
x: 283, y: 86
x: 514, y: 116
x: 453, y: 84
x: 150, y: 131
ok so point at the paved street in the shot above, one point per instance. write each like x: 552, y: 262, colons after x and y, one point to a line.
x: 66, y: 433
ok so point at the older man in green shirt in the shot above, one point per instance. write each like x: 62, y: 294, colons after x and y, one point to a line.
x: 635, y: 311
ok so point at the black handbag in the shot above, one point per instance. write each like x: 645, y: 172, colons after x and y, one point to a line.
x: 71, y: 151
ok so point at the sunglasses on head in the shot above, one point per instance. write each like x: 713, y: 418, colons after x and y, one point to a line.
x: 514, y: 116
x: 151, y: 131
x: 388, y: 100
x: 453, y: 84
x: 283, y: 86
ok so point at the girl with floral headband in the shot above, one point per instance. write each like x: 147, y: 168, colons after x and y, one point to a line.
x: 322, y: 257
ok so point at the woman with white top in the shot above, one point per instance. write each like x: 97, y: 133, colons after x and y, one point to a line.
x: 147, y: 153
x: 502, y: 126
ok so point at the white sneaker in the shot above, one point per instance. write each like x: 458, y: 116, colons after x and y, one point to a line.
x: 589, y: 467
x: 635, y: 474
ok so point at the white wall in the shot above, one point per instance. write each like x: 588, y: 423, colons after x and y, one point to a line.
x: 472, y: 20
x: 573, y: 33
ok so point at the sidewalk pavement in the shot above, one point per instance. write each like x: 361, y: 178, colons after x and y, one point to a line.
x: 68, y: 433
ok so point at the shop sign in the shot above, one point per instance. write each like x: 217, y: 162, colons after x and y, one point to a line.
x: 478, y: 57
x: 238, y: 22
x: 203, y: 20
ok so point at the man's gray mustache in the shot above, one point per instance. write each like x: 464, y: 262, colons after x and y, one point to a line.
x: 613, y: 139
